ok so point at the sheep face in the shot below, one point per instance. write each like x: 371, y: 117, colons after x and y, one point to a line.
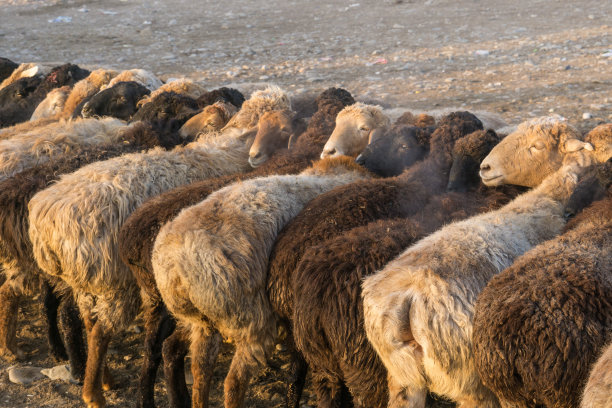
x: 52, y: 104
x: 393, y: 152
x: 468, y: 152
x: 534, y: 151
x: 356, y: 126
x: 211, y: 119
x: 118, y: 101
x: 274, y: 130
x: 19, y: 90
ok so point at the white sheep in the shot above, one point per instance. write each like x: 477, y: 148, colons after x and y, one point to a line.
x: 141, y: 76
x: 419, y: 309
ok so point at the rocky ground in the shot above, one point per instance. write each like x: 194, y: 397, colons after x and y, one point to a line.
x: 518, y: 58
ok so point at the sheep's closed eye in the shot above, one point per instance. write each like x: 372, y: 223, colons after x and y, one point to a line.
x: 537, y: 146
x: 364, y: 129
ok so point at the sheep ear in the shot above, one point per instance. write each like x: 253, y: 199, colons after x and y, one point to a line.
x: 30, y: 72
x: 376, y: 134
x: 574, y: 145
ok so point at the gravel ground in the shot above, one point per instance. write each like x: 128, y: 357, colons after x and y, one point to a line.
x: 518, y: 58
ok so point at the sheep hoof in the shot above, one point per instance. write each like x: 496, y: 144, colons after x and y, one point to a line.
x: 108, y: 382
x: 94, y: 401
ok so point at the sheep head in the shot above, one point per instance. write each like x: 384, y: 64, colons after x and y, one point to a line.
x: 210, y: 120
x: 535, y: 150
x: 118, y: 101
x: 468, y: 152
x: 396, y: 150
x: 601, y: 140
x: 53, y: 103
x: 274, y: 131
x: 356, y: 126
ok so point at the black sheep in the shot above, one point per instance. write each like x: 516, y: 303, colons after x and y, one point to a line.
x: 168, y: 105
x: 118, y: 101
x: 6, y: 68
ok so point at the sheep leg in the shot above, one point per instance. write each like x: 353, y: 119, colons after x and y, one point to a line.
x: 51, y: 304
x: 297, y: 375
x: 204, y: 351
x: 98, y: 338
x: 174, y: 351
x: 9, y: 305
x: 158, y: 326
x: 237, y: 379
x: 71, y: 326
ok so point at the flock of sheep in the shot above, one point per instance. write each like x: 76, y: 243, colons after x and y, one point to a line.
x: 391, y: 277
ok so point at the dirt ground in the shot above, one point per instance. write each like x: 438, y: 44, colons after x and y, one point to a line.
x: 518, y: 58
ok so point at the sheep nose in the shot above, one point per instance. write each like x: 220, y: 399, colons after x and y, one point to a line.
x: 485, y: 167
x: 360, y: 160
x: 330, y: 152
x: 256, y: 155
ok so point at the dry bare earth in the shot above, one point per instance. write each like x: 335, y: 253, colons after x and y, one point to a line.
x: 519, y: 58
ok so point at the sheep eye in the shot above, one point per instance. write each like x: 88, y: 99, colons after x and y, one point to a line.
x: 364, y: 129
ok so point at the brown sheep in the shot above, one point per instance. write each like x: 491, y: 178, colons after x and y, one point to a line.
x: 138, y: 234
x: 210, y: 267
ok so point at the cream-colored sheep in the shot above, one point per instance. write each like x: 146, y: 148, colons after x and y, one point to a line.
x: 419, y: 309
x: 210, y: 266
x: 141, y: 76
x: 540, y: 144
x: 89, y: 206
x: 212, y: 118
x: 52, y: 105
x: 356, y: 126
x: 36, y: 146
x: 598, y: 390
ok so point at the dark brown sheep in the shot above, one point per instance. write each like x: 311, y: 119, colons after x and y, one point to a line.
x: 16, y: 255
x: 119, y: 101
x: 541, y: 324
x: 359, y: 203
x: 168, y: 105
x: 328, y: 315
x: 223, y: 94
x: 138, y: 234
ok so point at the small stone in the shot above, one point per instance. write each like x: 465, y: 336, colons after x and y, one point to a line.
x: 24, y: 375
x: 60, y: 372
x: 587, y: 115
x: 281, y: 347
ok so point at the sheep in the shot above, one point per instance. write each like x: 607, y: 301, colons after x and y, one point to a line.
x: 52, y: 105
x: 138, y: 234
x: 118, y: 101
x: 85, y: 89
x: 181, y: 86
x: 21, y: 109
x: 327, y: 319
x: 355, y: 126
x: 25, y: 70
x: 541, y: 323
x: 44, y: 142
x: 222, y: 94
x: 212, y: 117
x: 418, y: 309
x: 168, y: 105
x: 598, y: 391
x: 215, y: 253
x: 541, y: 144
x: 100, y: 196
x: 7, y: 67
x: 143, y: 77
x: 19, y: 266
x: 357, y: 204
